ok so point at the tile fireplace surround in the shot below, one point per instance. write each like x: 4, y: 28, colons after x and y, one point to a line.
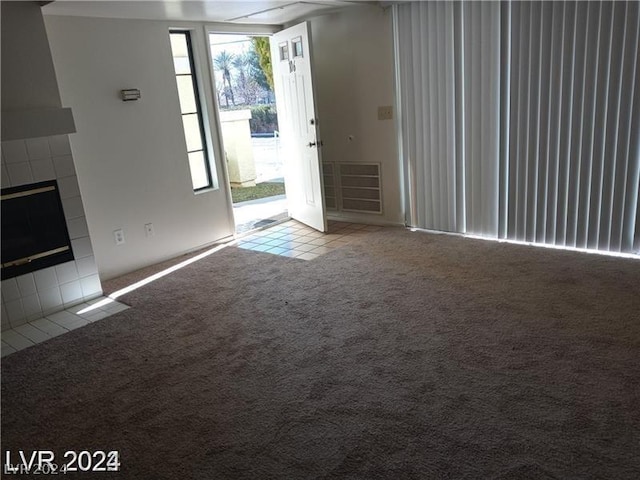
x: 43, y: 292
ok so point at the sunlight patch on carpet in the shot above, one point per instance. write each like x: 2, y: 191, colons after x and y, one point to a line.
x: 145, y: 281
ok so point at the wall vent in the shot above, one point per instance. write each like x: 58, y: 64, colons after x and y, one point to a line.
x: 330, y: 186
x: 353, y: 187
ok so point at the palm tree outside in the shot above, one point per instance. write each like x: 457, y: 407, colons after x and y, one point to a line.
x: 252, y: 152
x: 224, y: 63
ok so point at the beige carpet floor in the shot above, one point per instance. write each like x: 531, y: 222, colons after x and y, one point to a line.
x: 405, y: 355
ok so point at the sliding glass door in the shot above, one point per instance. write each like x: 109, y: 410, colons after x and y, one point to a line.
x: 521, y: 120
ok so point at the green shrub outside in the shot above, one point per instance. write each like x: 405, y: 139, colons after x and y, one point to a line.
x: 262, y: 190
x: 264, y: 119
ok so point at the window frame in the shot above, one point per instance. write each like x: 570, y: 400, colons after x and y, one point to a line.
x: 200, y: 106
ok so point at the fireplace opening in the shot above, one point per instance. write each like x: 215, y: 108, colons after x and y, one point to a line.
x: 34, y: 230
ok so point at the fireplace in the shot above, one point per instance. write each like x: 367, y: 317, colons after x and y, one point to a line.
x: 34, y: 230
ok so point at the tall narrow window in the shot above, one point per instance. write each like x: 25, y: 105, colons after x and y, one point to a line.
x: 190, y: 110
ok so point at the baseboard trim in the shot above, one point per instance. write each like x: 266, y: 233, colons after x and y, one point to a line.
x: 367, y: 221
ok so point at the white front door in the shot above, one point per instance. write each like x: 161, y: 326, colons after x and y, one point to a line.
x: 298, y: 125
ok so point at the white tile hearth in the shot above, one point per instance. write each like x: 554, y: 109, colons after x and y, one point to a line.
x: 38, y: 148
x: 14, y: 151
x: 26, y: 284
x: 46, y: 278
x: 50, y: 300
x: 66, y: 272
x: 77, y: 228
x: 4, y: 178
x: 42, y: 170
x: 42, y: 329
x: 32, y: 307
x: 20, y: 173
x: 64, y: 166
x: 50, y: 289
x: 90, y: 284
x: 32, y: 333
x: 16, y: 340
x: 82, y: 247
x: 86, y: 266
x: 50, y: 328
x: 71, y: 293
x: 73, y: 207
x: 10, y: 290
x: 15, y: 312
x: 59, y: 145
x: 68, y: 187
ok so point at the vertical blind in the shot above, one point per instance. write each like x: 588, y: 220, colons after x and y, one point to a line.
x: 521, y: 120
x: 449, y: 79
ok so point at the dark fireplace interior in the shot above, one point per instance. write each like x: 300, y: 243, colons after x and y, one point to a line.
x: 34, y: 230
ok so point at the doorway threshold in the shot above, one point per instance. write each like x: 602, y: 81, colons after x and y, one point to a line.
x: 254, y: 214
x: 261, y: 224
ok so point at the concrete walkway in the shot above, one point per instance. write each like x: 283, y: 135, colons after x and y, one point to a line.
x: 247, y: 214
x: 267, y: 158
x: 269, y: 168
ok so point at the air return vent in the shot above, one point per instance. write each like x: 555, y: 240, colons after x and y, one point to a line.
x: 353, y: 187
x: 330, y: 186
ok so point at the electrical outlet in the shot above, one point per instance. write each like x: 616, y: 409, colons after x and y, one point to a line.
x: 118, y: 236
x: 148, y: 230
x: 385, y: 113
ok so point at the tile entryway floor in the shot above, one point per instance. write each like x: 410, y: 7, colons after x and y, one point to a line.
x: 295, y: 240
x: 289, y: 239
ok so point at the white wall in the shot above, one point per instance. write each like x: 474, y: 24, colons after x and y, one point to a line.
x: 354, y: 74
x: 30, y: 99
x: 30, y: 82
x: 131, y: 157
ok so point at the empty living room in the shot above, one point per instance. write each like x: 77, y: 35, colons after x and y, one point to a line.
x: 454, y: 292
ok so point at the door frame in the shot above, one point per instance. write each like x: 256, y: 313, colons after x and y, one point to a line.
x: 214, y: 114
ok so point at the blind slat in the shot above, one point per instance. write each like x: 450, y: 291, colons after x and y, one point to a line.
x: 587, y: 124
x: 533, y: 121
x: 546, y: 37
x: 612, y: 165
x: 630, y: 147
x: 556, y: 74
x: 600, y: 133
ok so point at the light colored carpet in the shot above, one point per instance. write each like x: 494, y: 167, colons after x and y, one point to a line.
x: 406, y: 355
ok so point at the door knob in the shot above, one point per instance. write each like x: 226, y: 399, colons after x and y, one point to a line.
x: 315, y: 144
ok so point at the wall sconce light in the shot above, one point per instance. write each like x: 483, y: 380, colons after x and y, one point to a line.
x: 130, y: 94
